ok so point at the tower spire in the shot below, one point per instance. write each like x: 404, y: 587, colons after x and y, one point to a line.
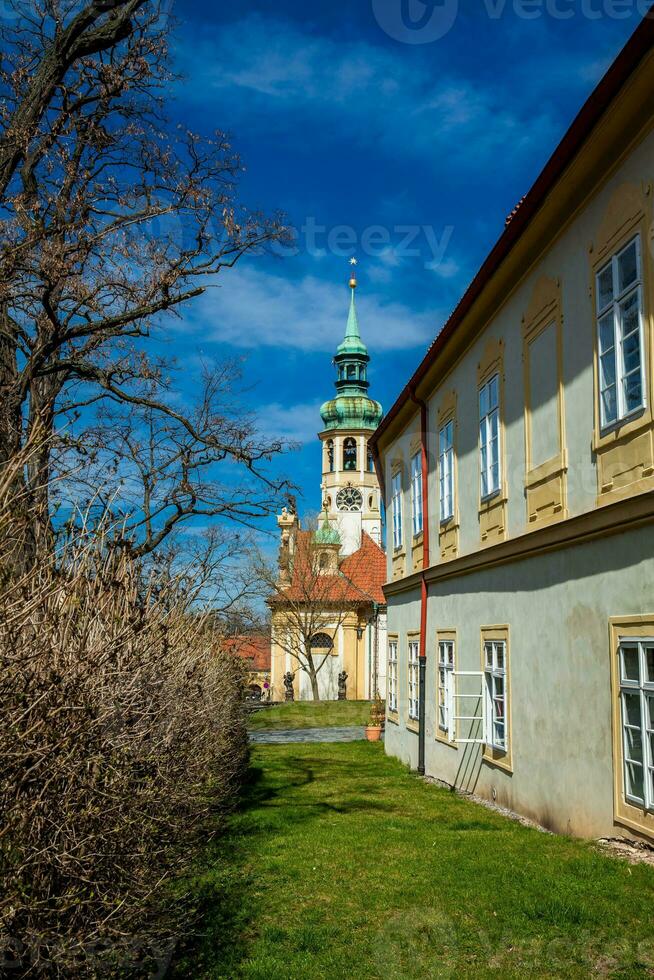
x: 352, y: 345
x: 352, y: 408
x: 352, y: 334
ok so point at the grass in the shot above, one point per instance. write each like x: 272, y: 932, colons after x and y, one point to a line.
x: 311, y: 714
x: 345, y: 866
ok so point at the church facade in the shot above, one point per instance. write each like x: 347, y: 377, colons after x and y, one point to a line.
x: 328, y: 610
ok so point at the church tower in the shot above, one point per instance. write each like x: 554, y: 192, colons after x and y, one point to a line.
x: 350, y: 489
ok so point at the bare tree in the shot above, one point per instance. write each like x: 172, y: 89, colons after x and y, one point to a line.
x: 99, y: 26
x: 155, y: 470
x: 109, y: 222
x: 311, y: 593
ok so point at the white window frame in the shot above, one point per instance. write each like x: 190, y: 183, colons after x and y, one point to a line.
x: 460, y: 707
x: 614, y: 309
x: 490, y: 468
x: 396, y: 509
x: 416, y: 493
x: 644, y: 689
x: 414, y: 679
x: 445, y: 688
x: 495, y: 672
x: 392, y: 675
x: 446, y: 471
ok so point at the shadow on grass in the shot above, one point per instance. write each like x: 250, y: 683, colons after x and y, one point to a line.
x: 224, y: 885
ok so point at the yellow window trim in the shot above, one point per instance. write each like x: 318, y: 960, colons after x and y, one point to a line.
x: 625, y: 813
x: 625, y: 453
x: 417, y: 552
x: 393, y: 638
x: 417, y: 549
x: 412, y: 724
x: 447, y: 408
x: 445, y: 635
x: 448, y: 531
x: 545, y: 483
x: 398, y: 555
x: 415, y: 445
x: 495, y: 757
x: 492, y: 511
x: 398, y: 564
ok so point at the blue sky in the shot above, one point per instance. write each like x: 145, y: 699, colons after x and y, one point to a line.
x: 379, y: 138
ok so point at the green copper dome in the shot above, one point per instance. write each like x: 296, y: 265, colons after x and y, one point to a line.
x: 347, y: 412
x: 326, y: 534
x: 352, y: 408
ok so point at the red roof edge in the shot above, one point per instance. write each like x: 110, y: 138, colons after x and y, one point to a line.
x: 636, y: 48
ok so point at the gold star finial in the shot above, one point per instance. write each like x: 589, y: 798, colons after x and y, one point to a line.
x: 354, y: 261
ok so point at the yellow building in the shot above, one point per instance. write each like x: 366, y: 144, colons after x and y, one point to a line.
x: 328, y: 608
x: 521, y: 621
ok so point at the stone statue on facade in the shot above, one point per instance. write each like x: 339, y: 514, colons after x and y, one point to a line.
x: 342, y: 686
x: 284, y: 558
x: 289, y: 693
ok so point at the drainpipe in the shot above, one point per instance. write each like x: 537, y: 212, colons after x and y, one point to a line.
x: 422, y: 652
x: 375, y: 648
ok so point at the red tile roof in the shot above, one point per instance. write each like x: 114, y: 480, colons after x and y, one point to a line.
x: 367, y: 568
x: 360, y: 579
x: 254, y: 647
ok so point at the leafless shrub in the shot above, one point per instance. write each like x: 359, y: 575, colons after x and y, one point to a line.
x: 122, y: 740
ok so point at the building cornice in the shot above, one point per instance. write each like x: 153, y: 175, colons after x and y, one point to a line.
x: 616, y: 518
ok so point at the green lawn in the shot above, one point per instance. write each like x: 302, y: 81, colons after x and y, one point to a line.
x: 344, y: 865
x: 311, y: 714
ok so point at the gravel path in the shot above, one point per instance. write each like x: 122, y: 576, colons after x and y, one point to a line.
x: 284, y: 736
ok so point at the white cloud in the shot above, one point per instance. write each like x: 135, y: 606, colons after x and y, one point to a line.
x: 445, y: 268
x: 254, y: 308
x: 360, y: 88
x: 292, y: 423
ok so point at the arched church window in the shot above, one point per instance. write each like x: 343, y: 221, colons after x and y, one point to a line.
x: 362, y: 372
x: 350, y: 454
x: 351, y: 372
x: 323, y: 561
x: 371, y: 461
x: 330, y: 455
x: 322, y: 643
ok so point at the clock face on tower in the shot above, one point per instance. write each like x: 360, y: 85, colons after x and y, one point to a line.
x: 349, y: 499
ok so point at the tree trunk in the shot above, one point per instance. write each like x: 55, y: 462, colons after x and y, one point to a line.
x: 314, y: 685
x: 311, y: 670
x: 17, y: 533
x: 10, y: 416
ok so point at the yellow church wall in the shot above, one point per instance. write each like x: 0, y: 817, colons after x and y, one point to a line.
x: 348, y: 648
